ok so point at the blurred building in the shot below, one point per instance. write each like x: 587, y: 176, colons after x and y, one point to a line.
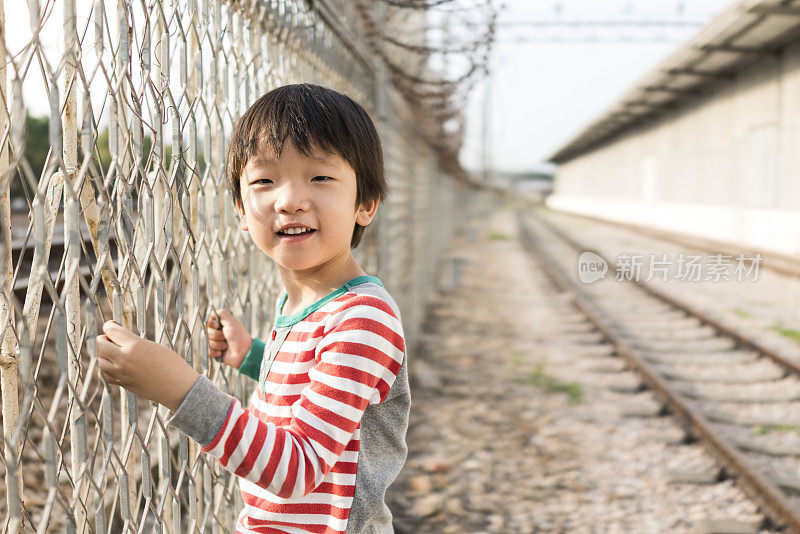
x: 534, y: 181
x: 707, y: 143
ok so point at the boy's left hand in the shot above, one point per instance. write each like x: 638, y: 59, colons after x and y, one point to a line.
x: 143, y: 367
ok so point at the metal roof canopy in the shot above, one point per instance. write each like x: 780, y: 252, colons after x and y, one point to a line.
x: 740, y: 35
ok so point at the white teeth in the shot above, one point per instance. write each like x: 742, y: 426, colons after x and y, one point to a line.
x: 297, y: 230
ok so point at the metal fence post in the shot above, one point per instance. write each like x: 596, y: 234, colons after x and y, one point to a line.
x: 72, y: 251
x: 9, y: 378
x: 380, y: 100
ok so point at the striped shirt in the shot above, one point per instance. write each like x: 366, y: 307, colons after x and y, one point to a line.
x: 323, y: 435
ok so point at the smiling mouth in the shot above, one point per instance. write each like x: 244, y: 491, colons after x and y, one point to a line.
x: 284, y: 231
x: 294, y: 237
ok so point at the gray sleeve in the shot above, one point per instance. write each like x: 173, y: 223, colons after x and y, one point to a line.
x: 202, y: 413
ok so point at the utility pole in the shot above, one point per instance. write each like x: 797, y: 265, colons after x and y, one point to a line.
x: 380, y: 98
x: 486, y: 150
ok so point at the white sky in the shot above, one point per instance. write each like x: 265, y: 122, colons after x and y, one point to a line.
x: 543, y: 94
x: 35, y: 69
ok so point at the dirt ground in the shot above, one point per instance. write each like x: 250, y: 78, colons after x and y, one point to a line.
x: 511, y: 428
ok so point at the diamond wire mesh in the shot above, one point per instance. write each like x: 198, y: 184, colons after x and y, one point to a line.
x: 125, y: 215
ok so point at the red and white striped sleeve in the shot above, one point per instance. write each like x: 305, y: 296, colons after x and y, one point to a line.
x: 357, y: 361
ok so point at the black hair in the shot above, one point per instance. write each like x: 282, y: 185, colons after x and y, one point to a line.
x: 316, y: 119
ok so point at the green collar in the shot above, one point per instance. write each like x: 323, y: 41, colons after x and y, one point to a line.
x: 289, y: 320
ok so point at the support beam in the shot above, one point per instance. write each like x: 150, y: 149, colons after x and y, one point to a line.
x: 701, y: 74
x: 786, y: 11
x: 670, y: 90
x: 622, y: 118
x: 736, y: 49
x: 638, y: 104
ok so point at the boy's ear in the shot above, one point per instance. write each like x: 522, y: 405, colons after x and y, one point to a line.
x: 366, y: 212
x: 242, y: 219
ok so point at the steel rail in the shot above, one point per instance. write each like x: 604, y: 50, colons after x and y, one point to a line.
x: 741, y: 340
x: 787, y: 265
x: 22, y: 285
x: 777, y: 506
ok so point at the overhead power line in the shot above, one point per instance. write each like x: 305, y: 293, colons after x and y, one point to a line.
x: 609, y: 23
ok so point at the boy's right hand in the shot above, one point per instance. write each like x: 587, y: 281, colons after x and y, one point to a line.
x: 231, y: 343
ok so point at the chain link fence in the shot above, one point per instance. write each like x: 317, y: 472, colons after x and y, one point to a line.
x: 114, y: 124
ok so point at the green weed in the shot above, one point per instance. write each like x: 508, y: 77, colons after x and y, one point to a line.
x: 497, y: 236
x: 786, y: 332
x: 539, y: 379
x: 762, y: 429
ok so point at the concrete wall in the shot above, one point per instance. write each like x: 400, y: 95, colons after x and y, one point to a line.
x: 726, y: 167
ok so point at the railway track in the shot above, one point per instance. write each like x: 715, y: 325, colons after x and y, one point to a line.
x: 55, y: 263
x: 739, y: 398
x: 773, y: 261
x: 47, y: 376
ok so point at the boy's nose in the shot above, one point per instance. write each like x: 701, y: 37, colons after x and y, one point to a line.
x: 291, y: 198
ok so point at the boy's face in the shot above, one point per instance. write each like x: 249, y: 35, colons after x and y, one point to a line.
x: 297, y: 190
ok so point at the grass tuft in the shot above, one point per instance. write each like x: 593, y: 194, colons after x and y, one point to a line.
x: 763, y: 429
x: 539, y: 379
x: 786, y: 332
x: 497, y: 236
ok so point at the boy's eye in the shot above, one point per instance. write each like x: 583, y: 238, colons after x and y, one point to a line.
x: 267, y: 180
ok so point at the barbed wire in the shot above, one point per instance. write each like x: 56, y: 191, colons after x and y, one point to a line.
x: 438, y: 95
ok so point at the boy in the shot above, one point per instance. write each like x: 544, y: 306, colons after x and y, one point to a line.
x: 324, y: 433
